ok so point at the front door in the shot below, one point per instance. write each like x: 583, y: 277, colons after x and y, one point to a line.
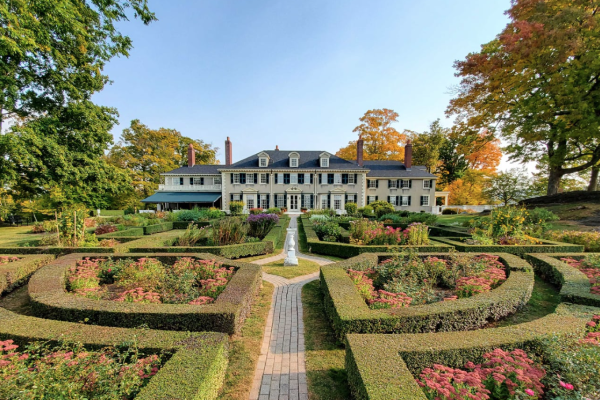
x: 294, y: 203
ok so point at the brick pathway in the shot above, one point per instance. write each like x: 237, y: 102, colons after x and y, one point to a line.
x: 281, y: 368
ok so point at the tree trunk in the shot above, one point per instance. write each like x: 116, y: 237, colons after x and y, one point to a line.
x: 554, y: 177
x: 593, y: 186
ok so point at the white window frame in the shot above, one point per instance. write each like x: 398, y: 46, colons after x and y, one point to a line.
x: 337, y: 179
x: 176, y: 181
x: 372, y: 199
x: 280, y: 200
x: 293, y: 179
x: 197, y: 181
x: 263, y: 202
x: 217, y: 180
x: 426, y: 184
x: 237, y: 197
x: 337, y: 202
x: 351, y: 179
x: 351, y: 198
x: 280, y: 178
x: 393, y: 184
x: 307, y: 201
x: 264, y: 162
x: 263, y: 178
x: 307, y: 179
x: 394, y: 200
x: 236, y: 179
x: 403, y: 201
x: 324, y: 162
x: 323, y: 202
x: 294, y: 162
x: 250, y: 201
x: 425, y: 203
x: 405, y: 184
x: 250, y: 179
x: 372, y: 183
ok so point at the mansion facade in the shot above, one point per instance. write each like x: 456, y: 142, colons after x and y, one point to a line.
x: 297, y: 180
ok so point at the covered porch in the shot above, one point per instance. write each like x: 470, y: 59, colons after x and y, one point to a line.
x: 184, y: 200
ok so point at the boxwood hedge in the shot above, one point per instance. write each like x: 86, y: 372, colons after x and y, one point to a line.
x: 382, y: 367
x: 345, y: 250
x: 574, y: 285
x: 50, y: 299
x: 55, y: 250
x: 349, y: 313
x: 196, y: 370
x: 162, y: 227
x: 547, y: 246
x: 133, y: 231
x: 16, y: 272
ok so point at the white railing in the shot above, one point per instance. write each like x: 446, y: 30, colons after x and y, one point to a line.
x: 190, y: 188
x: 474, y: 208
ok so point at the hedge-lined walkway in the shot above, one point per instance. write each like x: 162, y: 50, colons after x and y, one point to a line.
x: 281, y: 368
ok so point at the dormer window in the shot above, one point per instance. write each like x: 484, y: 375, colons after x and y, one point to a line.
x: 293, y: 162
x: 263, y: 159
x: 264, y: 162
x: 325, y: 162
x: 294, y: 159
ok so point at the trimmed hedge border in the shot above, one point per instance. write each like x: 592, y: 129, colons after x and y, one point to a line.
x: 156, y: 228
x: 344, y: 250
x: 574, y: 284
x: 349, y: 313
x: 55, y: 250
x: 434, y: 231
x: 185, y: 224
x: 133, y: 231
x: 50, y: 299
x: 16, y: 272
x: 547, y: 246
x: 196, y: 370
x: 382, y: 367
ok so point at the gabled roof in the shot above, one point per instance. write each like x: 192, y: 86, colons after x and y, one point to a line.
x: 279, y: 159
x: 395, y: 169
x: 196, y: 170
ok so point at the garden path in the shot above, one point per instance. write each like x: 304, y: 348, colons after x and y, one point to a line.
x: 281, y: 368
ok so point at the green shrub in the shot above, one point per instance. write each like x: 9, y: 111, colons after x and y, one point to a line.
x: 14, y: 273
x: 381, y: 207
x: 226, y: 314
x: 191, y: 236
x: 151, y: 229
x: 328, y: 231
x: 274, y: 210
x: 236, y: 207
x: 546, y: 246
x: 229, y: 231
x: 367, y: 211
x: 351, y: 208
x: 112, y: 213
x: 589, y: 240
x: 127, y: 233
x: 189, y: 215
x: 451, y: 211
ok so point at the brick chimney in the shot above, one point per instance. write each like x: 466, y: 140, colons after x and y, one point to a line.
x: 359, y: 151
x: 228, y: 157
x: 191, y: 156
x: 408, y: 155
x: 277, y: 147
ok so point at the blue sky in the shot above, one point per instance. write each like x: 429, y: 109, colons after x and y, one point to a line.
x: 297, y: 74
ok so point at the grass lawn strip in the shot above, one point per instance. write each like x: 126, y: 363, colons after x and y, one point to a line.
x: 325, y: 368
x: 304, y: 267
x: 14, y: 273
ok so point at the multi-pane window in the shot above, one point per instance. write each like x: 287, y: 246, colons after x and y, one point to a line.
x: 337, y: 202
x: 236, y: 197
x: 372, y: 183
x: 294, y: 177
x: 307, y: 200
x: 280, y: 178
x: 393, y: 184
x: 306, y: 179
x: 405, y: 184
x: 286, y: 179
x: 426, y: 184
x: 424, y: 200
x: 250, y: 178
x: 293, y: 162
x: 263, y: 178
x: 351, y: 198
x: 236, y: 178
x: 323, y: 201
x: 337, y: 178
x: 404, y: 201
x: 351, y: 178
x: 393, y: 200
x: 263, y: 162
x: 330, y: 179
x: 250, y: 202
x: 372, y: 199
x: 325, y: 162
x: 263, y: 202
x: 217, y: 180
x: 198, y: 181
x: 280, y: 200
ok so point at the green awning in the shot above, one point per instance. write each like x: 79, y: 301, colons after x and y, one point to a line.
x: 183, y: 197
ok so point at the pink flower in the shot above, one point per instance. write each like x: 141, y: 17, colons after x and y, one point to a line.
x: 591, y: 323
x: 567, y: 386
x: 530, y: 392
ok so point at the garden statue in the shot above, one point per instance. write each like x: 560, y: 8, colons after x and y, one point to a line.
x: 291, y: 259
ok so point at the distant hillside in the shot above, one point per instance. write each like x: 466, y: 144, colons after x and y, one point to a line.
x: 563, y: 198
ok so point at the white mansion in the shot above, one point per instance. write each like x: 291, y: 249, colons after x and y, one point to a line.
x: 297, y: 180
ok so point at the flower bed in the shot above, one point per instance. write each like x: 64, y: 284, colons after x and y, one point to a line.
x: 105, y: 374
x: 195, y: 369
x: 590, y: 266
x: 575, y: 285
x: 15, y: 270
x: 349, y: 312
x: 590, y: 240
x: 545, y: 246
x: 148, y: 280
x: 388, y: 366
x: 408, y: 279
x: 50, y: 299
x: 345, y: 250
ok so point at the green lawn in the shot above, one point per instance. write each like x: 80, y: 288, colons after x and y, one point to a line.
x: 304, y: 267
x: 457, y: 219
x: 325, y: 369
x: 17, y: 236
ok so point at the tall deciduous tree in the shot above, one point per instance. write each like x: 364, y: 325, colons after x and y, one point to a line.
x: 381, y: 140
x: 53, y: 52
x: 538, y: 83
x: 427, y: 146
x: 507, y: 187
x: 205, y: 152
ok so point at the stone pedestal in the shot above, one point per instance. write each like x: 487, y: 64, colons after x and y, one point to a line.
x: 290, y: 259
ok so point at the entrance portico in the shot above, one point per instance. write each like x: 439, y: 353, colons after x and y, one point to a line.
x: 293, y: 199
